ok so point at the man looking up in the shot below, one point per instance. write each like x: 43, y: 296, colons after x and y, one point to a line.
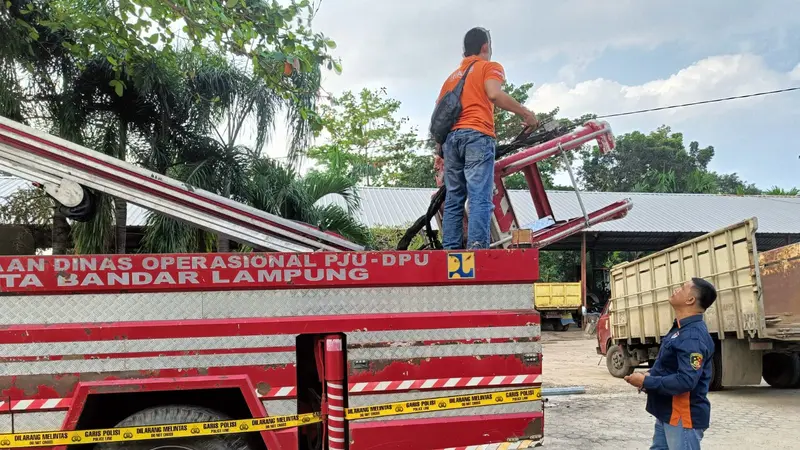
x: 469, y: 148
x: 677, y: 384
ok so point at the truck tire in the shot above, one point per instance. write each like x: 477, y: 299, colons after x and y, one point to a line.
x: 781, y: 370
x: 619, y: 365
x: 178, y: 414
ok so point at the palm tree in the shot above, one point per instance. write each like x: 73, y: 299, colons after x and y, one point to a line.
x: 226, y: 99
x: 39, y: 54
x: 279, y: 190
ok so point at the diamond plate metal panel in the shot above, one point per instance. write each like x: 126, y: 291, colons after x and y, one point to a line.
x: 280, y: 407
x: 177, y: 362
x: 28, y: 309
x: 442, y: 334
x: 366, y: 400
x: 440, y: 351
x: 154, y: 345
x: 39, y: 421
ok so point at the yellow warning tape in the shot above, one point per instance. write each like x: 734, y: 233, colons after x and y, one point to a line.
x: 196, y: 429
x: 150, y: 432
x: 444, y: 403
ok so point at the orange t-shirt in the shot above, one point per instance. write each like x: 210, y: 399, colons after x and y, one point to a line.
x: 477, y: 111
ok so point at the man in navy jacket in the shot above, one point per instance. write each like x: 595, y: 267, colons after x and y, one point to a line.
x: 677, y: 384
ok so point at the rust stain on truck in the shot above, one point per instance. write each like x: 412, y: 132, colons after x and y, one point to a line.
x: 780, y: 281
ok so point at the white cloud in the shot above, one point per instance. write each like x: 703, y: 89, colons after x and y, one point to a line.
x: 415, y: 41
x: 718, y: 124
x: 714, y: 77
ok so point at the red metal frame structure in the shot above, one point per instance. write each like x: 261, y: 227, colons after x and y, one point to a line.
x: 504, y: 220
x: 72, y: 368
x: 90, y: 341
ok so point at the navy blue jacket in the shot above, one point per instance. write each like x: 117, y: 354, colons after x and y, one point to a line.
x: 677, y: 386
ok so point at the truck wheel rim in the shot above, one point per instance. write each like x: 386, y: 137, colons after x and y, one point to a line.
x: 617, y: 360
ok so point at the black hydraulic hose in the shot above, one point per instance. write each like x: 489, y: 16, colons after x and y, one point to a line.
x: 545, y: 132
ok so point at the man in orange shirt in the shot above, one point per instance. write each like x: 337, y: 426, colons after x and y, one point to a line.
x: 469, y: 149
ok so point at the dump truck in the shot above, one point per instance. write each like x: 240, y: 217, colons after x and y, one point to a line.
x: 559, y: 304
x: 309, y: 343
x: 755, y: 321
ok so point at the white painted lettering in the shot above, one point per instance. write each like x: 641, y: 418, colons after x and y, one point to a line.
x: 187, y: 278
x: 60, y: 264
x: 359, y: 274
x: 308, y: 262
x: 123, y: 279
x: 150, y: 263
x: 359, y: 260
x: 216, y: 278
x: 15, y: 266
x: 67, y: 280
x: 389, y: 259
x: 91, y: 279
x: 198, y: 262
x: 336, y: 274
x: 315, y: 274
x: 141, y: 278
x: 243, y: 276
x: 183, y: 263
x: 9, y: 281
x: 276, y: 260
x: 421, y: 259
x: 269, y: 276
x: 164, y: 278
x: 404, y: 258
x: 166, y: 262
x: 218, y: 263
x: 30, y: 280
x: 330, y: 258
x: 288, y: 275
x: 258, y: 261
x: 235, y: 262
x: 125, y: 263
x: 294, y: 261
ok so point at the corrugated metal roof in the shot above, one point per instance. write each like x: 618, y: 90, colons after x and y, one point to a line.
x: 665, y: 213
x: 655, y: 213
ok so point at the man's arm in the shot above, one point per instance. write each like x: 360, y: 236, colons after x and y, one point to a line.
x: 691, y: 356
x: 494, y: 91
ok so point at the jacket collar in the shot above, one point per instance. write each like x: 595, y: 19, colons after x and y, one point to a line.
x: 688, y: 320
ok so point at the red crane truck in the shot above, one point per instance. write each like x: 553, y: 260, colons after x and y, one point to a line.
x: 294, y: 343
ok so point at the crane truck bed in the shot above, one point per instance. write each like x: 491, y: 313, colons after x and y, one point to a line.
x: 310, y: 346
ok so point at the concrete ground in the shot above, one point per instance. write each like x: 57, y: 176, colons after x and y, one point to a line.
x: 611, y: 415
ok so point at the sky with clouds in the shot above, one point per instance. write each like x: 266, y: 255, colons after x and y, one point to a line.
x: 603, y: 57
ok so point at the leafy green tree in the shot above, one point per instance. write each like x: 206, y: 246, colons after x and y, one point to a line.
x: 657, y: 162
x: 366, y: 141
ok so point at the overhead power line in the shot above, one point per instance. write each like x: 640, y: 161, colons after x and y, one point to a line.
x: 677, y: 106
x: 703, y: 102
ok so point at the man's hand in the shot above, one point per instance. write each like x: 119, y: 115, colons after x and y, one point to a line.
x: 529, y: 118
x: 635, y: 379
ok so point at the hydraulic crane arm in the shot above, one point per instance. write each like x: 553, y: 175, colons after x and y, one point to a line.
x: 66, y: 170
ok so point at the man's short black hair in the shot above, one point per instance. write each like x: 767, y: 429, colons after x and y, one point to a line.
x: 474, y: 40
x: 706, y: 292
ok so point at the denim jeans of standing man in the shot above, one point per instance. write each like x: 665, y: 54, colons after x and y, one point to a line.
x: 670, y: 437
x: 468, y: 174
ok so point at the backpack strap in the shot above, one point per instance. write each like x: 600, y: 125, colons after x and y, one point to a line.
x: 460, y: 86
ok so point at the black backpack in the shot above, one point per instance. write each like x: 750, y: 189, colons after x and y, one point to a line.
x: 448, y: 110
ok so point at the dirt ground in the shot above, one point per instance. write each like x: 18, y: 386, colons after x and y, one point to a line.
x: 611, y: 415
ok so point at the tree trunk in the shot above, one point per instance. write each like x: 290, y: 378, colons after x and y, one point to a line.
x: 120, y: 205
x: 59, y: 232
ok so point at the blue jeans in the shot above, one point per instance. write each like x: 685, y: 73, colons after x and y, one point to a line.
x: 468, y: 173
x: 669, y: 437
